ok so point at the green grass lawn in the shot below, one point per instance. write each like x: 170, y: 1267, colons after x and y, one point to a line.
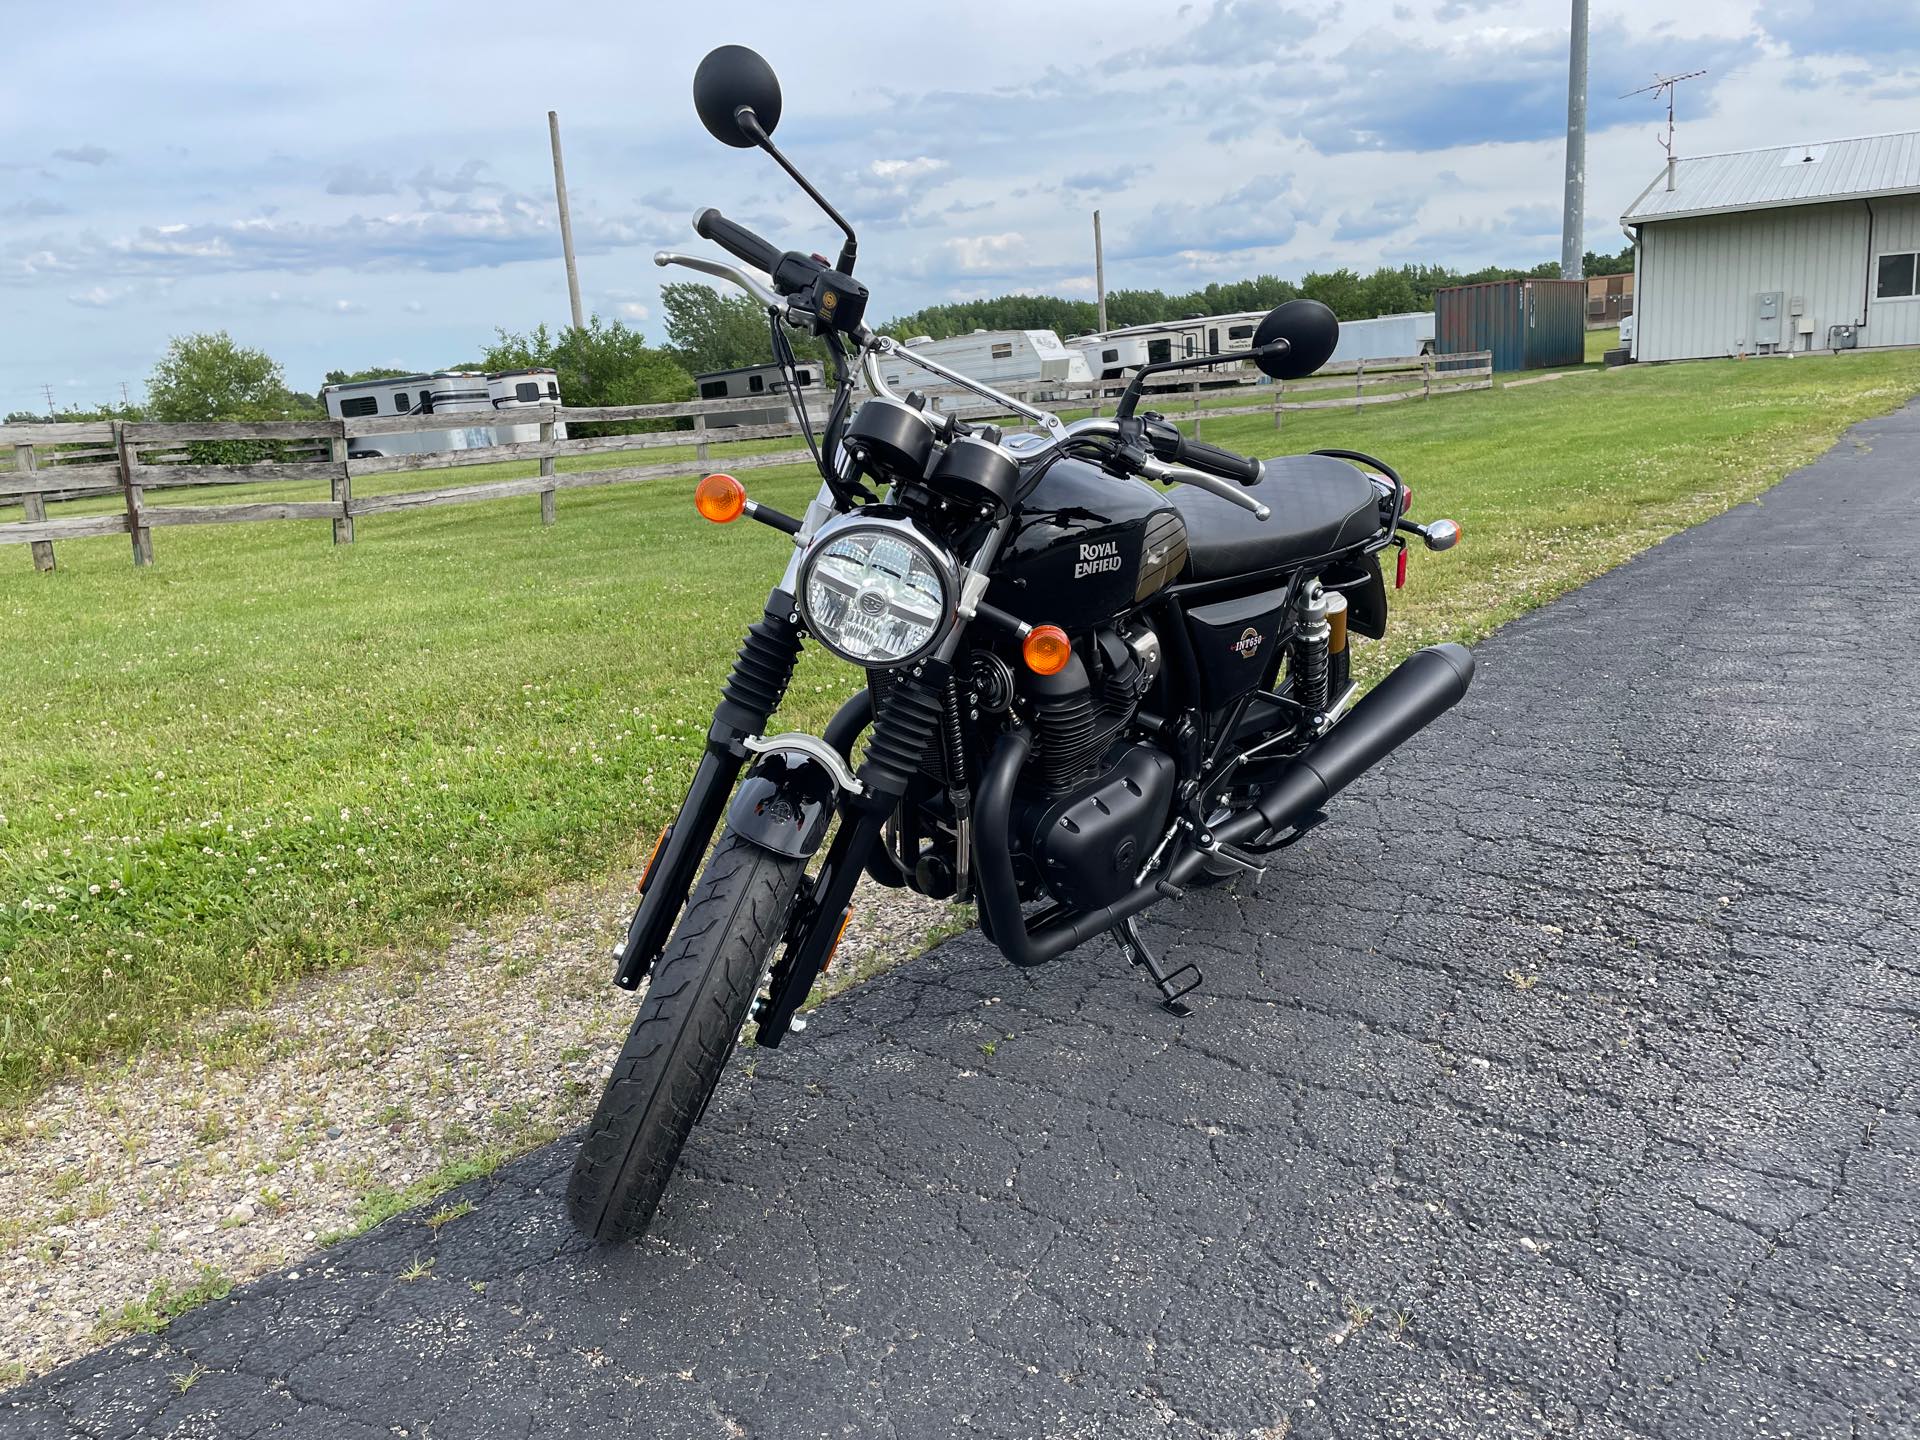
x: 267, y: 755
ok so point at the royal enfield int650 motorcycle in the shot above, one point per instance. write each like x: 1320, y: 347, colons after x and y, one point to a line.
x: 1084, y: 692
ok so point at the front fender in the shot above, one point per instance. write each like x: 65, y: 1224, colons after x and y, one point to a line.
x: 785, y: 804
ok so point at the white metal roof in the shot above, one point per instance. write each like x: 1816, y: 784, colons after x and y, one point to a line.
x: 1807, y: 174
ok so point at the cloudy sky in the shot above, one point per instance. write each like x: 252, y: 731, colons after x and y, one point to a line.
x: 353, y: 185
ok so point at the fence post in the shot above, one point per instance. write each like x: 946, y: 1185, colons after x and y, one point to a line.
x: 546, y: 472
x: 1279, y: 401
x: 700, y: 447
x: 1359, y: 369
x: 136, y: 498
x: 1426, y: 377
x: 342, y: 490
x: 34, y: 505
x: 1193, y: 395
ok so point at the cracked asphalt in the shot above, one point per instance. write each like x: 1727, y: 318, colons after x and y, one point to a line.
x: 1563, y: 1085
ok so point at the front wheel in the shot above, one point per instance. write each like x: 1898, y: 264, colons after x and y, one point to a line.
x: 697, y: 1001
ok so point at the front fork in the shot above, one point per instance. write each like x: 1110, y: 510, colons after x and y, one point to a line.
x: 903, y: 728
x: 902, y: 731
x: 753, y: 692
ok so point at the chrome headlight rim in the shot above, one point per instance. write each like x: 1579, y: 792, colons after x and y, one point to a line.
x: 932, y: 551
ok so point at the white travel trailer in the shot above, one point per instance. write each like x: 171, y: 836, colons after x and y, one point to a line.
x: 472, y: 401
x: 1110, y: 357
x: 999, y: 357
x: 1385, y: 337
x: 761, y: 389
x: 1120, y: 352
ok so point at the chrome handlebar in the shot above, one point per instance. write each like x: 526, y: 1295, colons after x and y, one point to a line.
x: 872, y: 347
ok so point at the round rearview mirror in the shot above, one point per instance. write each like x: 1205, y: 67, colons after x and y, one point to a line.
x: 731, y: 77
x: 1311, y: 332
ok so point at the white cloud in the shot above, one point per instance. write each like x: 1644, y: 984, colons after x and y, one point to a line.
x: 902, y: 172
x: 976, y: 254
x: 1219, y: 139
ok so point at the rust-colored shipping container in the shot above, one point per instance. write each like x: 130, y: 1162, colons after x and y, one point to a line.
x: 1527, y: 324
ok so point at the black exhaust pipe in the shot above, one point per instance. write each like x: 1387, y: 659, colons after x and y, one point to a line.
x: 1423, y: 687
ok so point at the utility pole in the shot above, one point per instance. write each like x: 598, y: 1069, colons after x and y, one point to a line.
x: 1573, y: 222
x: 126, y: 400
x: 1099, y: 271
x: 47, y: 390
x: 566, y: 221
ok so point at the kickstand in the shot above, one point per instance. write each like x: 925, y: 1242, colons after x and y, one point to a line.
x: 1127, y: 933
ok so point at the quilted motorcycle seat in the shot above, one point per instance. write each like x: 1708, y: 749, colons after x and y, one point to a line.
x: 1320, y: 505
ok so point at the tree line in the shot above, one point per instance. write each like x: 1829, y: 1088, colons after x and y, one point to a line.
x: 207, y: 377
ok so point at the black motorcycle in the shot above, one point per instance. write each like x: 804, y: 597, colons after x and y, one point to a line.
x: 1084, y: 693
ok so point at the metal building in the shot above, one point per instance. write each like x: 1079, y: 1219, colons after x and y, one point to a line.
x: 1798, y: 248
x: 1527, y: 324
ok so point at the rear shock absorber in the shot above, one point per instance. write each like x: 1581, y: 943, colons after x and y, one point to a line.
x: 1310, y: 643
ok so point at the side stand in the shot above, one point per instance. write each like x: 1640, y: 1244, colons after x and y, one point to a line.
x: 1127, y: 933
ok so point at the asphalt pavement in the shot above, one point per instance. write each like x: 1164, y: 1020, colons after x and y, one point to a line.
x: 1565, y: 1084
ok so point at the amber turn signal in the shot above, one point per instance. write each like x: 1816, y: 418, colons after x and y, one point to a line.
x: 1046, y: 650
x: 720, y: 498
x: 838, y: 936
x: 653, y: 858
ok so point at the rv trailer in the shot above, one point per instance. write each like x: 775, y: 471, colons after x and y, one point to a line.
x: 471, y: 400
x: 999, y: 357
x: 1137, y: 345
x: 1385, y: 337
x: 762, y: 388
x: 1111, y: 357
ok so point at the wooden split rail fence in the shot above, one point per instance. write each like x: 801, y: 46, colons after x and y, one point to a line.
x: 130, y: 460
x: 1350, y: 384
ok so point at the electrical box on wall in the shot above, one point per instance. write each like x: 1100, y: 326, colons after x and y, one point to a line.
x: 1767, y: 305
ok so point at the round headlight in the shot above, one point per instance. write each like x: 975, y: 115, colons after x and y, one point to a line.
x: 876, y: 592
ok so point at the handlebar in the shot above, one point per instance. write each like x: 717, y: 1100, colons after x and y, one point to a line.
x: 1213, y: 459
x: 737, y: 240
x: 1169, y: 444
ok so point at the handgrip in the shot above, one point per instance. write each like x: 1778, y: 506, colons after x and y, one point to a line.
x: 736, y: 240
x: 1212, y: 458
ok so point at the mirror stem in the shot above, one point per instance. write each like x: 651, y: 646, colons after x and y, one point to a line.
x: 750, y: 124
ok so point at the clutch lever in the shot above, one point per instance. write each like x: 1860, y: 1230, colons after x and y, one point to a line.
x: 1226, y: 489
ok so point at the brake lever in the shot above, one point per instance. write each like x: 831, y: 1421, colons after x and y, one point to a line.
x: 722, y: 271
x: 1180, y: 475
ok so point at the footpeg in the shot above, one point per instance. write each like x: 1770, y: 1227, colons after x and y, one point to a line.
x: 1235, y: 856
x: 1127, y: 933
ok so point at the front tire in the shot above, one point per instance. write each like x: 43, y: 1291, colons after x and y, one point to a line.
x: 697, y: 1000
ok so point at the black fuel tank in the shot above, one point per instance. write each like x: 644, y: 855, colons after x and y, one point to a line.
x: 1089, y: 547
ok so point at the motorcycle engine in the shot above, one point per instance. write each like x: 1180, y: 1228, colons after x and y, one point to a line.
x: 1077, y: 713
x: 1092, y: 807
x: 1089, y: 845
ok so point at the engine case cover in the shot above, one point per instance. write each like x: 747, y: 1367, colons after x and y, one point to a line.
x: 1090, y: 844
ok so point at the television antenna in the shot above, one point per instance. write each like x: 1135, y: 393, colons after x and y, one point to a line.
x: 1667, y: 84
